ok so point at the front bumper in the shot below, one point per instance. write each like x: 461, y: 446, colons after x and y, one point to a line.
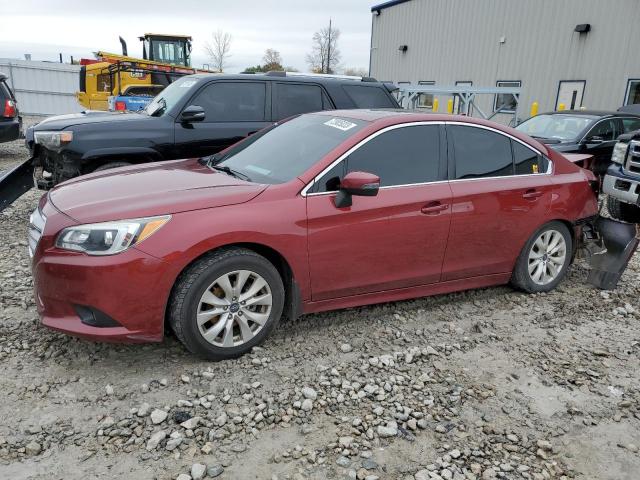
x: 621, y: 185
x: 127, y: 292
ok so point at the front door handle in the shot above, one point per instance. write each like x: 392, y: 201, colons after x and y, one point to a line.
x: 532, y: 194
x: 434, y: 208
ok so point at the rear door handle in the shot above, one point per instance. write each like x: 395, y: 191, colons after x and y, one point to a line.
x: 434, y: 208
x: 532, y: 194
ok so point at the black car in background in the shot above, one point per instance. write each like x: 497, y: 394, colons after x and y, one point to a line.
x: 9, y: 118
x: 195, y: 116
x: 582, y: 131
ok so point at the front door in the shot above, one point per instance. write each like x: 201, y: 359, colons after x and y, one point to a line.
x: 501, y: 194
x: 233, y: 110
x: 570, y: 94
x: 599, y: 142
x: 394, y: 240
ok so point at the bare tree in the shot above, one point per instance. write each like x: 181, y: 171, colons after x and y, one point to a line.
x: 356, y: 72
x: 272, y: 60
x: 218, y: 49
x: 325, y: 55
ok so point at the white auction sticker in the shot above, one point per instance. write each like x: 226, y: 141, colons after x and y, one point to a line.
x: 187, y: 83
x: 340, y: 124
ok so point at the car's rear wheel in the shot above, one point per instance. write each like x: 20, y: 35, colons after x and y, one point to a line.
x: 623, y: 211
x: 544, y: 260
x: 110, y: 165
x: 226, y: 303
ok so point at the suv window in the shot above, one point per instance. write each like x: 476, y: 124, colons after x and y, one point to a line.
x: 480, y: 153
x: 401, y: 156
x: 630, y: 124
x: 605, y: 129
x: 294, y: 98
x: 5, y: 91
x: 232, y: 102
x: 526, y: 160
x: 368, y: 97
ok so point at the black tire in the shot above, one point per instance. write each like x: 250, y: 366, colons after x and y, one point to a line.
x: 197, y: 278
x: 623, y: 211
x: 521, y: 278
x: 110, y: 165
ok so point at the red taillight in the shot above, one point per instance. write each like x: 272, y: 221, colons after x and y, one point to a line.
x: 121, y: 106
x: 10, y: 110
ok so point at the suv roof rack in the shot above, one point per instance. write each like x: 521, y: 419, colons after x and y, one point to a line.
x: 279, y: 73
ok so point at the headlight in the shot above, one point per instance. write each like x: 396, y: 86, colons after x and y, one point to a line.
x: 109, y: 238
x: 53, y: 140
x: 619, y: 152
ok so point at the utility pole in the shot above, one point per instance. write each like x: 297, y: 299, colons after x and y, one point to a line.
x: 329, y: 49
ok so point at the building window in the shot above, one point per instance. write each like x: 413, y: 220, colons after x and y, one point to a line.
x: 397, y: 92
x: 633, y: 92
x: 457, y: 105
x: 506, y: 102
x: 425, y: 100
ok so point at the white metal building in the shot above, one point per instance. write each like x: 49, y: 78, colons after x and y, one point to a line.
x: 582, y: 53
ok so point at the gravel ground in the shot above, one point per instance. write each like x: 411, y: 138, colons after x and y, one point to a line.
x: 484, y: 384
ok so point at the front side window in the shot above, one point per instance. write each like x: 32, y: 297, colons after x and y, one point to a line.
x: 232, y: 102
x: 293, y: 99
x: 630, y: 124
x: 368, y: 97
x: 401, y: 156
x: 605, y: 130
x: 283, y: 152
x: 480, y: 153
x: 506, y: 102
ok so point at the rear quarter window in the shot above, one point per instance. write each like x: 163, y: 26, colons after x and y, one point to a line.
x: 5, y: 92
x: 368, y: 97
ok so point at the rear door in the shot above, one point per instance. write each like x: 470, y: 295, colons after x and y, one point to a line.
x: 233, y: 110
x: 501, y: 195
x: 394, y: 240
x: 291, y: 99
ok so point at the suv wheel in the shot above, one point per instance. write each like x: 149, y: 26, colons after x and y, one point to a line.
x: 544, y: 260
x: 226, y: 303
x: 623, y: 211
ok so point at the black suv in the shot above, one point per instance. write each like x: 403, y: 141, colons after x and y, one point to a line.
x: 195, y: 116
x: 9, y: 118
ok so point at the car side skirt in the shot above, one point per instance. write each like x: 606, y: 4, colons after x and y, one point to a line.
x: 407, y: 293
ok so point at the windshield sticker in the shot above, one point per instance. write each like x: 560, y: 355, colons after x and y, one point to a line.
x: 187, y: 84
x: 340, y: 124
x: 262, y: 171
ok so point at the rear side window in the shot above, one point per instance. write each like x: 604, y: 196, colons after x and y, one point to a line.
x: 5, y: 92
x: 368, y: 97
x: 480, y: 153
x: 630, y: 124
x: 232, y: 102
x: 293, y: 99
x: 527, y: 161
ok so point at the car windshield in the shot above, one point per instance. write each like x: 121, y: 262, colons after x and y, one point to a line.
x: 167, y: 98
x: 557, y: 127
x: 285, y: 151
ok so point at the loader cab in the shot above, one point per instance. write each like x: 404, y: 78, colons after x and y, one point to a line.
x: 172, y: 49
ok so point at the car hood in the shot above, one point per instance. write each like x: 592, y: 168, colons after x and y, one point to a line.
x: 150, y: 189
x: 60, y: 122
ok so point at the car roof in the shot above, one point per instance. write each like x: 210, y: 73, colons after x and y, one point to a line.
x: 590, y: 113
x: 298, y: 78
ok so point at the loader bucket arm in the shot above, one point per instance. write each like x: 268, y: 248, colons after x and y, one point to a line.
x: 15, y: 182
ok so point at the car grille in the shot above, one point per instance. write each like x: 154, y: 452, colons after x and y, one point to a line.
x: 632, y: 164
x: 36, y: 227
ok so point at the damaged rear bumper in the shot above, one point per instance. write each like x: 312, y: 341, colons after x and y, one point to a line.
x: 15, y: 182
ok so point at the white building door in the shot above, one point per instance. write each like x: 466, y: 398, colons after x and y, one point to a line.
x: 570, y: 93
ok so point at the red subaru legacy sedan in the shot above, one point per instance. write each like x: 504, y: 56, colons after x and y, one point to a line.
x: 324, y: 211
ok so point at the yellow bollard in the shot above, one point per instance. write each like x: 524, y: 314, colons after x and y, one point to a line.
x: 436, y: 104
x: 534, y: 109
x: 450, y: 105
x: 561, y: 107
x: 583, y: 108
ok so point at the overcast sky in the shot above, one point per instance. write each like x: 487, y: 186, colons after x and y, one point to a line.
x: 80, y: 27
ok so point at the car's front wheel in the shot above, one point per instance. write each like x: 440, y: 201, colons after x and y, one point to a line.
x: 226, y: 303
x: 623, y: 211
x: 544, y: 260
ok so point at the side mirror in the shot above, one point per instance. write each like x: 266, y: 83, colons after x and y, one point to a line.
x: 193, y: 113
x: 595, y: 140
x: 361, y: 184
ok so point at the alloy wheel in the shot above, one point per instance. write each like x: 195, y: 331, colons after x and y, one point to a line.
x: 234, y: 308
x: 547, y: 257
